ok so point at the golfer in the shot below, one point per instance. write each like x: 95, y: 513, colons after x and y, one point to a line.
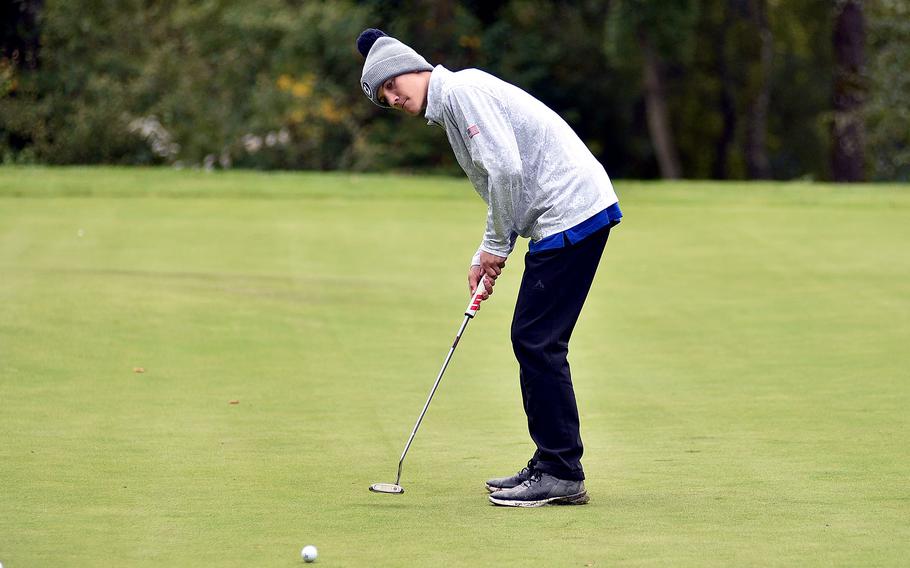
x: 541, y: 182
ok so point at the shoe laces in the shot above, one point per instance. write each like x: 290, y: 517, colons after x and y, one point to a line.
x: 534, y: 478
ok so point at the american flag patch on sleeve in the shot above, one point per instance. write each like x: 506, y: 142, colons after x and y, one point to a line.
x: 473, y: 131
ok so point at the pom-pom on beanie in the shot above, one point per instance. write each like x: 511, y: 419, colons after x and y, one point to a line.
x: 386, y: 57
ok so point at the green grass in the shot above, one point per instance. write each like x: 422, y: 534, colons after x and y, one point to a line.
x: 742, y: 369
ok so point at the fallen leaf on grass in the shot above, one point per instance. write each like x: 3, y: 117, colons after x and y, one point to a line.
x: 138, y: 369
x: 234, y: 402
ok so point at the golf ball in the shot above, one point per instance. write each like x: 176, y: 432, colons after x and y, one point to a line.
x: 308, y: 553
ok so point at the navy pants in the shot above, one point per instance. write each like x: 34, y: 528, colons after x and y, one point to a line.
x: 553, y: 290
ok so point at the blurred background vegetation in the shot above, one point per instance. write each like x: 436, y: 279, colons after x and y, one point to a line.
x: 722, y: 89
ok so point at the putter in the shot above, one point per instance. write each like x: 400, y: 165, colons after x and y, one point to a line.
x: 473, y: 306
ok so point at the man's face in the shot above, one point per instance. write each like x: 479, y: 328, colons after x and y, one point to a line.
x: 406, y: 93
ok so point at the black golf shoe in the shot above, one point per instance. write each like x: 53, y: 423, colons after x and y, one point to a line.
x: 509, y: 482
x: 542, y: 489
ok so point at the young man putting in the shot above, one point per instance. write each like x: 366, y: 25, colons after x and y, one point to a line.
x: 541, y: 182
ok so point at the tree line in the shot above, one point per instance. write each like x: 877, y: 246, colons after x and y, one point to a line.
x: 719, y: 89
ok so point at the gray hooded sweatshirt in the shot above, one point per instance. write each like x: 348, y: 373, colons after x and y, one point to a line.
x: 534, y: 173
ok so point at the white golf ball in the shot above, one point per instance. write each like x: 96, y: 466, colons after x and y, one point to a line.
x: 308, y: 553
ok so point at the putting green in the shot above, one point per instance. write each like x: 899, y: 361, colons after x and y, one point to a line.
x: 742, y: 370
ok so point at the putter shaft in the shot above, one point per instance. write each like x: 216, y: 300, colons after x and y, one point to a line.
x: 445, y: 364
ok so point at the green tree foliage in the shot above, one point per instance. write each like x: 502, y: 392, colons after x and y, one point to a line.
x: 733, y: 71
x: 848, y: 151
x: 660, y: 37
x: 555, y: 52
x: 19, y: 58
x: 214, y: 82
x: 745, y: 84
x: 801, y: 79
x: 888, y: 107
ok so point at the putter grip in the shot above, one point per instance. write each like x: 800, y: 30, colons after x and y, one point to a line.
x: 476, y: 298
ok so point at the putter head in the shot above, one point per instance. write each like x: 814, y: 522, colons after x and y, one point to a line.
x: 387, y: 488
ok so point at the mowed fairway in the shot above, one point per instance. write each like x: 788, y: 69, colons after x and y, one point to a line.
x: 742, y: 369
